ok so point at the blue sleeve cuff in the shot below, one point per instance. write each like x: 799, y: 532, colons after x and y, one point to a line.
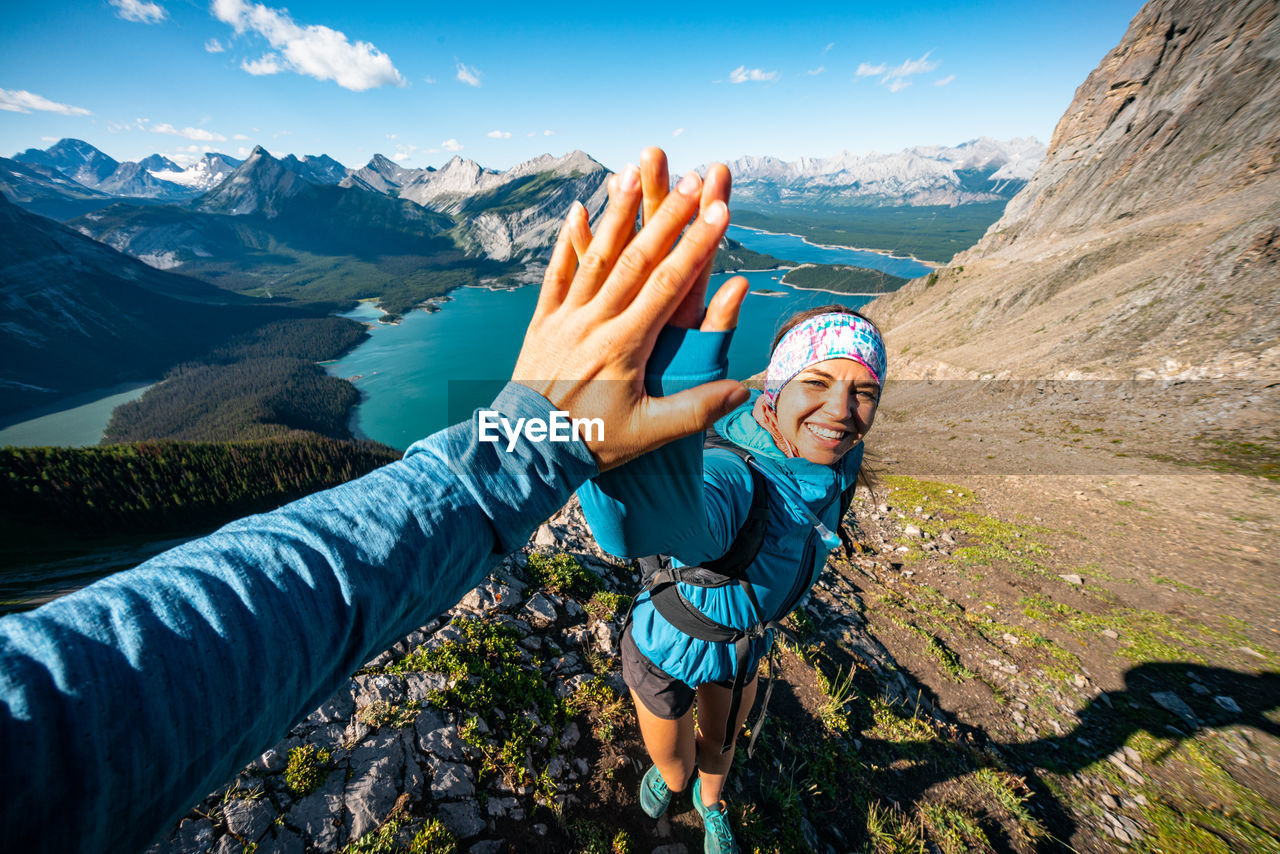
x: 684, y: 358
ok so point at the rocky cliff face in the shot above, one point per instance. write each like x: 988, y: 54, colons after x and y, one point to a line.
x: 1148, y: 243
x: 514, y: 214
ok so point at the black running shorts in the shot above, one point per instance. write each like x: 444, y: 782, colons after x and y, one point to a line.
x: 662, y: 694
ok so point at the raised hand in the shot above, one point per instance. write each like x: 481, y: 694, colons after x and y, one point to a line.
x: 606, y: 296
x: 655, y: 182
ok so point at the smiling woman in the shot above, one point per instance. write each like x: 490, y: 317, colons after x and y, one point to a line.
x: 820, y: 408
x: 732, y: 529
x: 745, y: 520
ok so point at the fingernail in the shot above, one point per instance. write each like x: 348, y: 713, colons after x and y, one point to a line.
x: 577, y: 207
x: 630, y: 177
x: 689, y: 184
x: 716, y: 213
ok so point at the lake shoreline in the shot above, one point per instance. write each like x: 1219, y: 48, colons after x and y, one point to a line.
x: 932, y: 265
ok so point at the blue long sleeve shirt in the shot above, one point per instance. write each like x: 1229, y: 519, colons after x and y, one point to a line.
x: 124, y: 703
x: 689, y: 503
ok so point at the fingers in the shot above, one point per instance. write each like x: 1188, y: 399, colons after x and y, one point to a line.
x: 613, y: 231
x: 722, y: 313
x: 663, y: 291
x: 559, y: 275
x: 653, y: 243
x: 655, y: 180
x: 664, y: 419
x: 578, y: 225
x: 717, y: 186
x: 689, y: 314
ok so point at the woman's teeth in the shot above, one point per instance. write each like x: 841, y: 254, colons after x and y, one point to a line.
x: 824, y: 433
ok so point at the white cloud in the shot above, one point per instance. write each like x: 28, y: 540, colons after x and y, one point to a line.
x: 677, y: 132
x: 428, y: 79
x: 815, y: 72
x: 913, y: 66
x: 468, y: 74
x: 742, y: 74
x: 451, y: 145
x: 532, y: 133
x: 548, y: 133
x: 895, y: 79
x: 826, y: 50
x: 48, y: 139
x: 315, y: 51
x: 214, y: 46
x: 945, y: 80
x: 243, y: 152
x: 22, y: 101
x: 499, y: 134
x: 139, y: 11
x: 240, y: 136
x: 189, y: 133
x: 268, y: 63
x: 403, y: 151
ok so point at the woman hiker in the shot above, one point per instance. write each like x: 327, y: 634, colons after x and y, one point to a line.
x: 747, y: 517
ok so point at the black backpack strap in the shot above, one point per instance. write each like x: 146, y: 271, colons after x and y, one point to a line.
x: 677, y: 610
x: 746, y: 543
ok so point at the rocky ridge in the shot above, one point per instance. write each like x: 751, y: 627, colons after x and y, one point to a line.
x: 398, y: 756
x: 1145, y: 246
x: 956, y: 667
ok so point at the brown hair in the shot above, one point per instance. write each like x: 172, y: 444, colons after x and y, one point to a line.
x: 867, y: 476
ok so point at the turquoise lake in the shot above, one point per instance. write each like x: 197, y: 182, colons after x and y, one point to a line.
x: 405, y: 372
x: 432, y: 369
x: 75, y: 422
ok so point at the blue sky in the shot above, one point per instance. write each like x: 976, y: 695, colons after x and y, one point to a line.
x: 500, y: 83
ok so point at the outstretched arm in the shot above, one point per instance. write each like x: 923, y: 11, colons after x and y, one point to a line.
x: 124, y: 703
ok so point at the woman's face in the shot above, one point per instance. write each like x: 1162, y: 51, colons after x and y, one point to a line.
x: 827, y: 408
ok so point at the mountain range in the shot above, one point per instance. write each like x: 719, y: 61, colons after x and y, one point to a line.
x: 305, y: 229
x: 981, y: 170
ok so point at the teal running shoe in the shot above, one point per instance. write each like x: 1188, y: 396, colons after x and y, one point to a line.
x: 654, y: 794
x: 718, y: 838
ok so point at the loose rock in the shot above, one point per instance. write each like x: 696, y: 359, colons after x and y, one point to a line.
x: 1171, y: 702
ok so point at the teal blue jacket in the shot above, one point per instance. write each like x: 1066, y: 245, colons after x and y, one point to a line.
x: 687, y: 502
x: 125, y: 703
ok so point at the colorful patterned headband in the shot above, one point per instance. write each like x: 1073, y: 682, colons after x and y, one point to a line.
x: 826, y: 336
